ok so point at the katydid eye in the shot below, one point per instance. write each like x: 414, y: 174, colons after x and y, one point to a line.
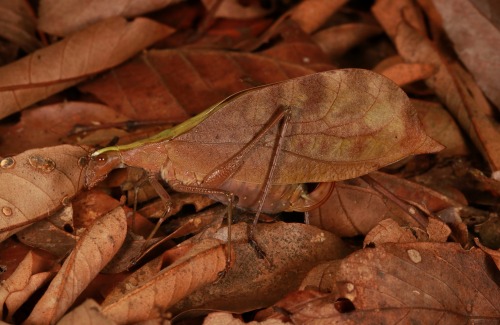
x: 101, y: 159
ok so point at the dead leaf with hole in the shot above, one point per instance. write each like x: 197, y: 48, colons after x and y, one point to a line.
x: 64, y: 17
x: 404, y: 283
x: 288, y: 247
x: 66, y: 63
x: 36, y: 183
x: 93, y: 251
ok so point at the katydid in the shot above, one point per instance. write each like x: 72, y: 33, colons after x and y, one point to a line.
x: 262, y: 144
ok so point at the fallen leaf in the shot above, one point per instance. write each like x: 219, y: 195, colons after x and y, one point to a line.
x: 404, y: 73
x: 151, y: 86
x: 31, y: 273
x: 61, y: 17
x: 34, y: 131
x: 36, y: 183
x: 287, y: 247
x: 19, y: 24
x: 458, y: 92
x: 66, y: 63
x: 88, y: 312
x: 92, y: 252
x: 222, y: 318
x: 415, y: 282
x: 198, y: 268
x: 337, y: 40
x: 235, y: 10
x: 390, y: 13
x: 476, y: 39
x: 311, y: 14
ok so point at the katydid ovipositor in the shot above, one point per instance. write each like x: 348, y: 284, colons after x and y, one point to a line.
x: 265, y: 142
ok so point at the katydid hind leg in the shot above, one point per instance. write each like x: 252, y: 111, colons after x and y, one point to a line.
x: 230, y: 202
x: 268, y: 182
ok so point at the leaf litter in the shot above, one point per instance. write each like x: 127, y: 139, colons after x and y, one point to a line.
x: 419, y: 240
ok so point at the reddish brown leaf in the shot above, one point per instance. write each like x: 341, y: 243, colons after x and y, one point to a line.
x: 390, y: 13
x: 458, y: 92
x: 312, y: 14
x: 36, y: 183
x: 288, y: 247
x: 404, y: 73
x: 417, y: 282
x: 18, y: 24
x: 196, y: 269
x: 34, y: 130
x: 471, y: 27
x: 93, y: 251
x: 337, y: 40
x: 67, y: 62
x: 29, y: 276
x: 87, y: 313
x: 174, y: 84
x: 61, y: 17
x: 233, y: 9
x: 442, y: 127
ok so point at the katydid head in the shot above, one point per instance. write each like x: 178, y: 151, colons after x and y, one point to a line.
x: 101, y: 163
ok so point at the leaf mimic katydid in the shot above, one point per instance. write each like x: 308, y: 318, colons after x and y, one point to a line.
x: 260, y: 145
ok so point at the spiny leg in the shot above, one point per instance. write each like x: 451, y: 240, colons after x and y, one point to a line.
x: 268, y: 183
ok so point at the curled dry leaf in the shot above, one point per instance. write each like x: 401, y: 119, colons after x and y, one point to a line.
x: 18, y: 24
x: 337, y: 40
x: 390, y: 13
x: 199, y: 267
x: 93, y: 251
x: 89, y: 312
x: 29, y: 276
x: 415, y: 282
x: 69, y: 61
x: 296, y: 247
x: 311, y: 14
x: 36, y: 183
x: 405, y: 73
x: 458, y: 92
x: 234, y: 10
x: 476, y: 39
x: 63, y: 17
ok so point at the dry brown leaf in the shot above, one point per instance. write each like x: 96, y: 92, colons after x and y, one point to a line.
x: 458, y: 92
x: 288, y: 247
x: 235, y: 10
x: 390, y: 13
x: 34, y: 131
x: 404, y: 283
x: 312, y: 14
x: 389, y: 231
x: 337, y: 40
x: 151, y: 298
x: 174, y: 84
x: 63, y: 17
x: 442, y: 127
x: 93, y: 251
x: 222, y: 318
x: 494, y: 254
x: 404, y: 73
x: 476, y: 38
x: 36, y: 183
x: 48, y: 235
x: 67, y: 62
x: 88, y: 312
x: 28, y: 277
x: 355, y: 207
x: 17, y: 23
